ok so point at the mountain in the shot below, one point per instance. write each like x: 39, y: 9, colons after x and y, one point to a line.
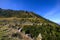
x: 25, y: 25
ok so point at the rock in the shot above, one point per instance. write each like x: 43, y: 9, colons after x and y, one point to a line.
x: 39, y: 37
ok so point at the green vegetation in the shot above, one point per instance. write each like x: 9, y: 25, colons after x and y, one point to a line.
x: 12, y: 13
x: 48, y: 32
x: 11, y: 20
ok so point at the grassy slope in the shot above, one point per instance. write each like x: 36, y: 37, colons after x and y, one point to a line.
x: 50, y: 31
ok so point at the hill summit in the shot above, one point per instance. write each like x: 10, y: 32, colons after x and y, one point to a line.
x: 24, y: 25
x: 15, y: 13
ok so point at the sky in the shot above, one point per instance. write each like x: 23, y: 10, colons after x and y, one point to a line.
x: 49, y: 9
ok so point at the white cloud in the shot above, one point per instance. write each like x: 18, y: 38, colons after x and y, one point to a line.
x: 54, y: 10
x: 54, y: 14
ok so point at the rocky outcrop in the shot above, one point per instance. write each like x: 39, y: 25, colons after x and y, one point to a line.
x: 39, y: 37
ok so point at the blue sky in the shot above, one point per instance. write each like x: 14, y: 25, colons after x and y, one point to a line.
x: 49, y: 9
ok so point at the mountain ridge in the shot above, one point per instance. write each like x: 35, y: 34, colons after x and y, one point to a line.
x: 33, y: 15
x: 14, y: 23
